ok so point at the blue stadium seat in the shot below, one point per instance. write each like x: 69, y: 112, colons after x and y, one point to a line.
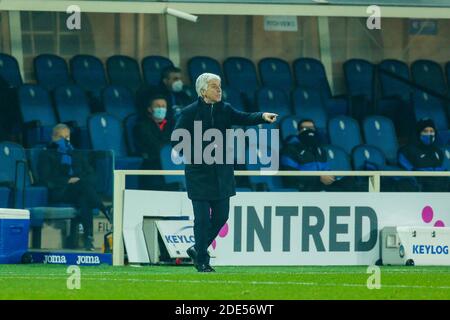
x: 51, y: 71
x: 106, y: 133
x: 366, y: 157
x: 344, y: 132
x: 191, y: 93
x: 118, y: 101
x: 380, y: 132
x: 261, y: 182
x: 429, y: 74
x: 288, y: 128
x: 233, y: 97
x: 124, y: 71
x: 310, y: 74
x: 338, y: 159
x: 129, y: 124
x: 446, y: 151
x: 166, y: 155
x: 276, y: 73
x: 273, y: 100
x: 73, y: 109
x: 240, y: 74
x: 391, y: 87
x: 88, y: 73
x: 200, y: 64
x: 308, y: 104
x: 359, y: 78
x: 37, y: 114
x: 152, y: 67
x: 15, y: 172
x: 428, y: 106
x: 9, y: 71
x: 5, y: 197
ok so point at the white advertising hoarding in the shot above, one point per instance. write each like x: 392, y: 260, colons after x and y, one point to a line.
x: 293, y: 228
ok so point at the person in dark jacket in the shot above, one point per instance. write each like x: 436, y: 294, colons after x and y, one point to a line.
x: 151, y: 133
x: 70, y: 179
x: 305, y: 153
x: 422, y: 154
x: 210, y: 186
x: 171, y: 87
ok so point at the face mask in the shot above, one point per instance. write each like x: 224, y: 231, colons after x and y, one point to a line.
x: 159, y: 113
x: 308, y: 137
x: 427, y: 139
x: 177, y: 86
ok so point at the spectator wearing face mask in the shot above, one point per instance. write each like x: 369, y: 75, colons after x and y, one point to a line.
x: 70, y: 179
x: 171, y: 87
x: 151, y: 133
x: 305, y: 153
x: 422, y: 154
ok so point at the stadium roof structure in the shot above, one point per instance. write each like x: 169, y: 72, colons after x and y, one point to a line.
x: 437, y: 9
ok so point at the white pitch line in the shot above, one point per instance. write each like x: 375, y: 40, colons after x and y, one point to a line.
x: 278, y: 283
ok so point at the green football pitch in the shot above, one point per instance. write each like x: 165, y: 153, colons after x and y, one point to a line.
x: 37, y: 281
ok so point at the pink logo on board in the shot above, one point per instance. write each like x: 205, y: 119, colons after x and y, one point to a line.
x: 222, y: 234
x: 427, y: 217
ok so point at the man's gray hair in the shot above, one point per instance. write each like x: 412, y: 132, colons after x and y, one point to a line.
x: 202, y: 81
x: 59, y: 127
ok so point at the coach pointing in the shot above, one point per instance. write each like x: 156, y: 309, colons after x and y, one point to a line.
x: 210, y: 186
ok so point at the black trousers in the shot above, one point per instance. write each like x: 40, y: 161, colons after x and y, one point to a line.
x: 85, y: 198
x: 209, y: 218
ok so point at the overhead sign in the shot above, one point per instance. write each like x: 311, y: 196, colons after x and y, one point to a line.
x: 280, y: 23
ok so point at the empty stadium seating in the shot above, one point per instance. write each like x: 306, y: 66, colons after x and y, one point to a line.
x: 118, y: 101
x: 107, y: 134
x: 9, y: 71
x: 51, y: 71
x: 73, y: 109
x: 273, y: 99
x: 240, y: 74
x: 200, y: 64
x: 88, y: 73
x: 152, y: 67
x: 124, y: 71
x: 38, y: 116
x: 345, y: 133
x: 276, y: 73
x: 379, y: 131
x: 429, y: 74
x: 166, y: 155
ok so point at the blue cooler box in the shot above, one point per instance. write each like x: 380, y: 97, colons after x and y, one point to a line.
x: 14, y: 227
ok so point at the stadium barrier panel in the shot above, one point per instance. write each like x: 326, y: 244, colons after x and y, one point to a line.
x: 120, y: 176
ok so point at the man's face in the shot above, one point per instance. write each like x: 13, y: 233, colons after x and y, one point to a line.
x: 427, y: 131
x: 213, y: 92
x: 171, y: 78
x: 62, y: 134
x: 307, y: 125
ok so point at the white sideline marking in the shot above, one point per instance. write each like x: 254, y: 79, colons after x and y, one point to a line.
x: 236, y: 282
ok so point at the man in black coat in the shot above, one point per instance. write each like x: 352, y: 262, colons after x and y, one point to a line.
x: 422, y: 154
x: 210, y: 186
x: 70, y: 179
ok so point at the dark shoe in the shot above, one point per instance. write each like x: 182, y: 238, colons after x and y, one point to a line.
x: 192, y: 253
x: 89, y: 243
x: 205, y: 268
